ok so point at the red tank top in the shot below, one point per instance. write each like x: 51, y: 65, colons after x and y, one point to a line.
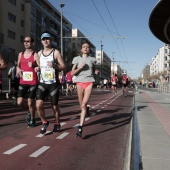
x: 29, y: 76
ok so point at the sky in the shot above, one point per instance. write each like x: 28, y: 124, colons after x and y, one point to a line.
x: 121, y: 26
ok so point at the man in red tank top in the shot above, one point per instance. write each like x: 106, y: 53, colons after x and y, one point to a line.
x: 27, y: 67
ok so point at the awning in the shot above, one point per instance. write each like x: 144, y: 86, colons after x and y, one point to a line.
x: 159, y: 21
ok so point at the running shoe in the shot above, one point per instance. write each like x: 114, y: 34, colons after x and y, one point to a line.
x: 79, y: 132
x: 28, y: 117
x: 44, y: 127
x: 32, y: 123
x: 56, y: 128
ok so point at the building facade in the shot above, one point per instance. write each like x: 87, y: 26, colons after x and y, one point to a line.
x: 103, y: 64
x: 31, y: 17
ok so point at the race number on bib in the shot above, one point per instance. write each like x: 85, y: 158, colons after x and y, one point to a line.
x: 47, y: 75
x: 114, y: 83
x: 27, y: 76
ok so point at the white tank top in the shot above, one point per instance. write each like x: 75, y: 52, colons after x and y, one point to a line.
x: 47, y: 74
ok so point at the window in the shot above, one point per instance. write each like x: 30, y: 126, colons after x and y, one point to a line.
x: 11, y: 17
x: 22, y: 7
x: 43, y: 21
x: 12, y: 2
x: 11, y: 34
x: 22, y: 38
x: 22, y: 23
x: 33, y: 13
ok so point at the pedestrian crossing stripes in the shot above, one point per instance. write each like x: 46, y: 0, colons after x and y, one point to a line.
x: 62, y: 135
x: 16, y: 148
x: 39, y: 151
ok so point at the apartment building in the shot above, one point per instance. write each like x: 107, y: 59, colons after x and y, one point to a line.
x: 77, y: 39
x: 161, y: 62
x: 103, y: 64
x: 20, y: 18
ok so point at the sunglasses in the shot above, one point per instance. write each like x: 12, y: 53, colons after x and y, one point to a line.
x: 45, y: 38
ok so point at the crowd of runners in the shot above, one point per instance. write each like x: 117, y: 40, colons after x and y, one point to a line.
x: 35, y: 76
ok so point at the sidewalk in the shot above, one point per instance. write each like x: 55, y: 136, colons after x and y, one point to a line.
x: 153, y: 111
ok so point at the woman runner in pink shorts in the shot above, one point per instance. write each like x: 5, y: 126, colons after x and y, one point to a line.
x: 83, y: 68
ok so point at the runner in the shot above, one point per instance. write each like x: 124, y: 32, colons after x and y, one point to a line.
x: 3, y: 66
x: 125, y: 82
x: 83, y: 68
x: 51, y: 62
x: 114, y: 80
x: 14, y: 80
x: 26, y: 70
x: 69, y: 84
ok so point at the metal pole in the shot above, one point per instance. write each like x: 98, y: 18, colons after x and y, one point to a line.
x: 101, y: 60
x: 62, y: 5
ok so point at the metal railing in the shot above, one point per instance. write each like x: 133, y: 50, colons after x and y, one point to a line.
x: 164, y: 88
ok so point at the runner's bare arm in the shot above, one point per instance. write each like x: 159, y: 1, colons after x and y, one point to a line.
x: 60, y: 62
x: 37, y: 60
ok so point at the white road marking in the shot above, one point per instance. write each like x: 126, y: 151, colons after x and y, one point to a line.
x: 62, y: 135
x: 98, y: 110
x: 86, y: 119
x: 63, y: 123
x: 41, y: 135
x: 102, y: 107
x: 93, y: 114
x: 75, y: 126
x: 39, y: 151
x: 14, y: 149
x: 73, y: 118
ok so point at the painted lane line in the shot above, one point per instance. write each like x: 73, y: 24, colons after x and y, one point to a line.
x: 41, y: 135
x: 63, y: 123
x: 39, y: 151
x: 14, y: 149
x: 75, y: 126
x: 93, y: 107
x: 93, y: 114
x: 86, y: 119
x: 62, y: 135
x: 73, y: 118
x: 102, y: 107
x: 98, y: 110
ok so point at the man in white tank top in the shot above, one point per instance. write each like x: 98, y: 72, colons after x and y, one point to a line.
x: 51, y: 62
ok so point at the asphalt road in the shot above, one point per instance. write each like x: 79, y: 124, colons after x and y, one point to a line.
x: 102, y: 146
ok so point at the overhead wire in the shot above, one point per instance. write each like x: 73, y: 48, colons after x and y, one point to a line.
x: 115, y: 29
x: 107, y: 27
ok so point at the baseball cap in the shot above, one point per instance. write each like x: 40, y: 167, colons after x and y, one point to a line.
x: 45, y: 35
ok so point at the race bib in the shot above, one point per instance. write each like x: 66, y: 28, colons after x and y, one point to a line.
x: 27, y: 76
x: 113, y: 82
x: 124, y: 81
x: 47, y: 75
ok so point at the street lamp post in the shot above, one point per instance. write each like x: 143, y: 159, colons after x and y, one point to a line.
x: 62, y: 5
x: 101, y: 60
